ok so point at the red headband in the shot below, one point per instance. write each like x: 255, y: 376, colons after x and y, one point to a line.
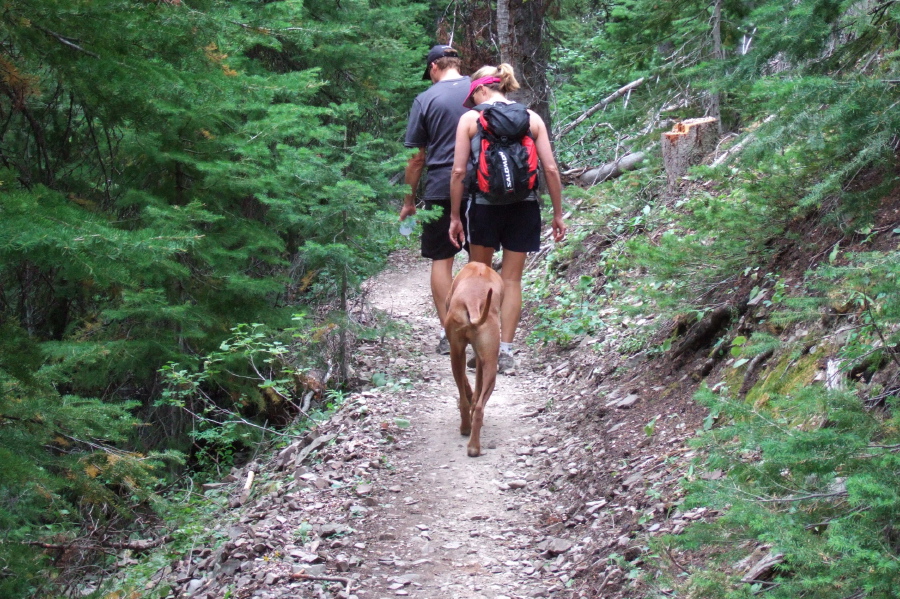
x: 475, y: 85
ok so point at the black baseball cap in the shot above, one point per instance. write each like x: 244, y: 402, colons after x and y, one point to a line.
x: 437, y: 53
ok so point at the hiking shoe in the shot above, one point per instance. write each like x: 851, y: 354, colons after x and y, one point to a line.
x: 443, y: 347
x: 506, y: 363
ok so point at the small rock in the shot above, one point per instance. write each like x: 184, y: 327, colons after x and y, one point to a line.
x: 554, y: 546
x: 193, y: 586
x: 332, y: 528
x: 628, y: 401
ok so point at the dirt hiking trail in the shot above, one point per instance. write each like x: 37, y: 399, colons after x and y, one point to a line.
x: 381, y: 501
x: 456, y: 526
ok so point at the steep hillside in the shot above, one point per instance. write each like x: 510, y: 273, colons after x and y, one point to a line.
x: 737, y: 438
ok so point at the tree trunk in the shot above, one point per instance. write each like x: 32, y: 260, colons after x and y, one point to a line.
x: 686, y: 145
x: 530, y: 55
x: 513, y: 34
x: 715, y: 99
x: 503, y: 36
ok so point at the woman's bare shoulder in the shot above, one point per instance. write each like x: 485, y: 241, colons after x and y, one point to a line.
x: 537, y: 123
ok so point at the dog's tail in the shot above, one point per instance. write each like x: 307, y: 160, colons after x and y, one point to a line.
x: 486, y: 310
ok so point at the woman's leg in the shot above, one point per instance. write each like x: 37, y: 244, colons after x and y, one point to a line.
x: 511, y: 308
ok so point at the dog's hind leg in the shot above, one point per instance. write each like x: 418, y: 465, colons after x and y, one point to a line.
x: 458, y: 366
x: 487, y: 347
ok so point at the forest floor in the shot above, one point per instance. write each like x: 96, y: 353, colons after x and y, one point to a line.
x: 381, y: 500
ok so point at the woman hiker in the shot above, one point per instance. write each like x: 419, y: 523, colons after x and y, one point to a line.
x: 515, y: 227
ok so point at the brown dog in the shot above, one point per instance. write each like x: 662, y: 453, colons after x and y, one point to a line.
x: 473, y: 318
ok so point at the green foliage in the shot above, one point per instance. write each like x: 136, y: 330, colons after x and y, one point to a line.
x: 807, y: 475
x: 59, y: 460
x: 820, y: 73
x: 811, y: 472
x: 169, y: 170
x: 564, y: 313
x: 809, y: 89
x: 256, y: 379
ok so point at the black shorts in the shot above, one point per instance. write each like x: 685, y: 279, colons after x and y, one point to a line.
x: 515, y: 227
x: 436, y: 244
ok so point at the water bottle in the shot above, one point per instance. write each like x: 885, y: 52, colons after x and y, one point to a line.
x: 407, y: 226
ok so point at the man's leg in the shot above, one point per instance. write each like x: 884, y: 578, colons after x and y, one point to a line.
x: 481, y: 253
x: 441, y: 280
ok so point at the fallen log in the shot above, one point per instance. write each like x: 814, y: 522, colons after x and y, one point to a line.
x: 736, y: 148
x: 611, y: 170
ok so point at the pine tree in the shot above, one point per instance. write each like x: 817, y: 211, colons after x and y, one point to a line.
x: 169, y: 170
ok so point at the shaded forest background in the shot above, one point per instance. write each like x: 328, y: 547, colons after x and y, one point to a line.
x: 192, y: 191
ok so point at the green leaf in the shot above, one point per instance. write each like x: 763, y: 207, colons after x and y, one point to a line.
x: 832, y: 256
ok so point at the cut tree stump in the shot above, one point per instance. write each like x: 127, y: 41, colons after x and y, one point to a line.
x: 686, y: 145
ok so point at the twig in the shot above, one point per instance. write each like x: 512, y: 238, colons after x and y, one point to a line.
x: 674, y: 561
x: 606, y: 579
x: 804, y: 497
x: 139, y: 545
x: 342, y: 579
x: 65, y: 41
x: 891, y: 351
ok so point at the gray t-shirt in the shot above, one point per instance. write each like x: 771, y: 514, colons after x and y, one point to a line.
x: 432, y: 125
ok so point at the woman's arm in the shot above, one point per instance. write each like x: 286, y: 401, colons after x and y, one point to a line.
x: 464, y: 133
x: 551, y: 173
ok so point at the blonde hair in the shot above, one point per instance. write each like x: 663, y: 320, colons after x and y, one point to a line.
x: 506, y: 74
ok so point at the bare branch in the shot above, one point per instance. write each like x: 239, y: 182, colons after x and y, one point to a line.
x: 599, y: 106
x: 139, y: 545
x: 65, y: 41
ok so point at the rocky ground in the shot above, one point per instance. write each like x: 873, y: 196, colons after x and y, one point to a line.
x: 582, y: 457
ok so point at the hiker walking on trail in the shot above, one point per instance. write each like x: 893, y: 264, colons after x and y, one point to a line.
x: 432, y: 129
x: 504, y: 211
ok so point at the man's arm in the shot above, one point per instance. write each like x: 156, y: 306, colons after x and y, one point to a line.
x: 414, y: 167
x: 461, y: 153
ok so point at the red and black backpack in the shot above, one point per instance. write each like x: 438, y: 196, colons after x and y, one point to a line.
x: 505, y: 161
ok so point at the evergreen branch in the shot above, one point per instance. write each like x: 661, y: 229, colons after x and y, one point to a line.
x: 842, y: 516
x: 269, y: 31
x: 97, y: 446
x: 879, y: 11
x: 65, y: 41
x: 17, y: 419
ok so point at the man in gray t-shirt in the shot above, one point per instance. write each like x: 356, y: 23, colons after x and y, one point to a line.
x: 432, y: 129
